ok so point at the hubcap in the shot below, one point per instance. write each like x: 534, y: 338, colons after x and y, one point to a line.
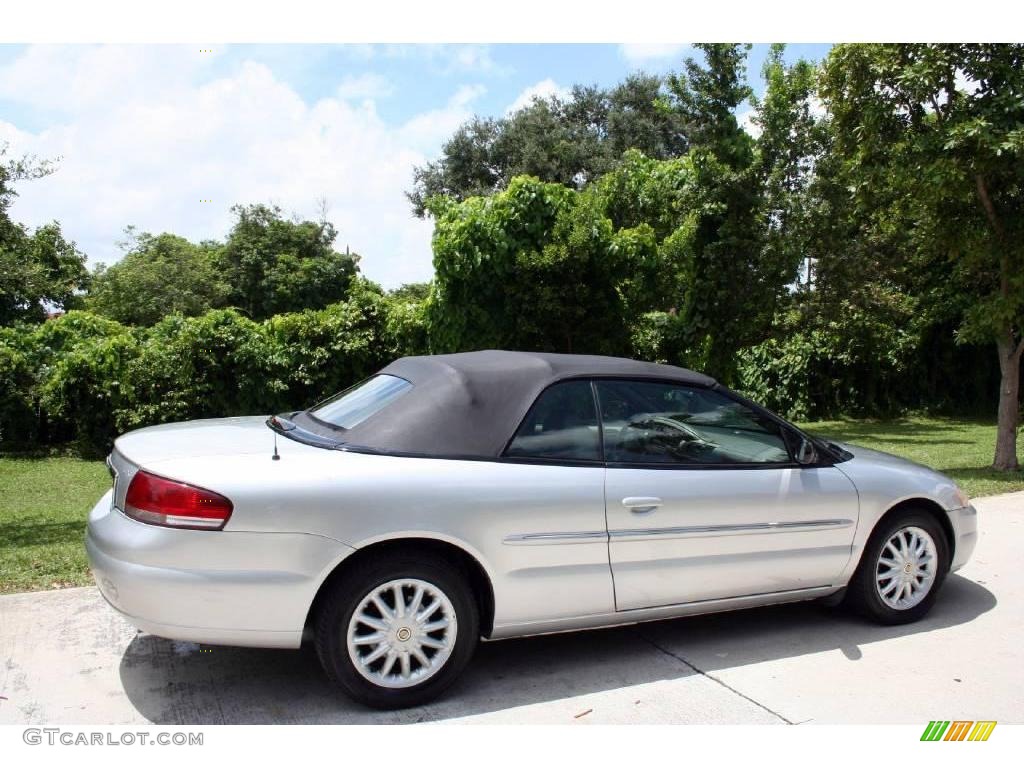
x: 906, y: 567
x: 402, y: 633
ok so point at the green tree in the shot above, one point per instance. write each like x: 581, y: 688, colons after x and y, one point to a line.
x: 656, y: 247
x: 711, y: 319
x: 159, y: 275
x: 412, y: 292
x: 274, y: 265
x: 789, y: 148
x: 940, y: 130
x: 570, y: 141
x: 704, y: 97
x: 39, y: 270
x: 536, y: 266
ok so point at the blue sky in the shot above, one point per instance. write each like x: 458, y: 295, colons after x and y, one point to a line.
x: 145, y: 134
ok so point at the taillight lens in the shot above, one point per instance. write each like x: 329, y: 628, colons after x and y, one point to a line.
x: 157, y: 500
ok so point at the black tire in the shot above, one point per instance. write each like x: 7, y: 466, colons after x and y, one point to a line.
x: 332, y: 623
x: 862, y: 593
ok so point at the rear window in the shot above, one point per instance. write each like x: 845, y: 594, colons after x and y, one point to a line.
x: 358, y: 403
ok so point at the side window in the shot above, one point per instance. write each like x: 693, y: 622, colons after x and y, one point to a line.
x: 649, y: 422
x: 562, y: 424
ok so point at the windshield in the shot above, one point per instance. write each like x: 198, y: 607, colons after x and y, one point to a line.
x: 360, y: 402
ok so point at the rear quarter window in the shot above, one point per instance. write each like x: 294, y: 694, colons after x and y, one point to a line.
x: 561, y: 424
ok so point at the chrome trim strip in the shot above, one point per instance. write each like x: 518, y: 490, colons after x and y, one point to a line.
x: 723, y: 530
x: 565, y: 537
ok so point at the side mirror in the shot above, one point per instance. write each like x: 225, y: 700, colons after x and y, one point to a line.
x: 806, y: 454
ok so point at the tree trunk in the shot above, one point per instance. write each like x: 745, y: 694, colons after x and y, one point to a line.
x: 1009, y: 348
x: 1009, y: 402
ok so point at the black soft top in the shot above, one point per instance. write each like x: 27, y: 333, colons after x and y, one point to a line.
x: 469, y: 404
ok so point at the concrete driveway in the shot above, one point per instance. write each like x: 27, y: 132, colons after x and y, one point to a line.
x: 67, y: 658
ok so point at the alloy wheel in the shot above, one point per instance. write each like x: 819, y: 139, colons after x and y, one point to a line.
x: 906, y: 568
x: 402, y: 633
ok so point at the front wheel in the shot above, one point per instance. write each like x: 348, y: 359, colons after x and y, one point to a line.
x: 397, y: 633
x: 904, y: 564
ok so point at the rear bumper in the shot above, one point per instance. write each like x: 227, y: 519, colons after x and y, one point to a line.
x: 219, y: 587
x: 965, y: 528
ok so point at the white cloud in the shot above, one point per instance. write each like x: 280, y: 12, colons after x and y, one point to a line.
x: 427, y: 131
x: 640, y: 53
x: 367, y: 85
x: 446, y: 59
x: 70, y: 78
x: 150, y: 135
x: 542, y: 90
x: 471, y: 58
x: 467, y: 93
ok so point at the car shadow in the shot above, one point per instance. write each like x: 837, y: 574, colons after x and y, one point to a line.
x: 170, y: 682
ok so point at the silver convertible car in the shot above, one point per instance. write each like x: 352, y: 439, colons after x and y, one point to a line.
x: 498, y: 494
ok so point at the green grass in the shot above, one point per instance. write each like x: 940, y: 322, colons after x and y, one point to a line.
x: 959, y: 448
x: 44, y: 501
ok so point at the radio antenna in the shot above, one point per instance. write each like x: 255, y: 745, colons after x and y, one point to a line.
x: 276, y: 456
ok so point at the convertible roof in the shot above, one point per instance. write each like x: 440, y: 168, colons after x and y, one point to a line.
x: 469, y: 404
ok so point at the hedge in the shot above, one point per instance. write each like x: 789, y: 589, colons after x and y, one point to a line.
x: 85, y: 379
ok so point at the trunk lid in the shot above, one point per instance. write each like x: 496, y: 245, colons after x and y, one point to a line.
x: 204, y: 437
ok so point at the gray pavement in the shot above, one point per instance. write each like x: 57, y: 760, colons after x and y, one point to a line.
x: 67, y: 658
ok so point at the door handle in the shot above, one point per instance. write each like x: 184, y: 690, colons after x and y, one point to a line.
x: 640, y: 504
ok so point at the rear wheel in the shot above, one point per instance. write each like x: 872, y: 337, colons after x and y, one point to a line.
x: 397, y: 633
x: 904, y: 564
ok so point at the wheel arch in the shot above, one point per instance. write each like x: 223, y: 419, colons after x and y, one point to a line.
x: 477, y: 575
x: 929, y: 506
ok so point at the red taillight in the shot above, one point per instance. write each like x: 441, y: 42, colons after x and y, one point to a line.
x: 157, y: 500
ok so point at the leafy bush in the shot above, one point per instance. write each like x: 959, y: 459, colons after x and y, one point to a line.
x: 405, y: 329
x: 44, y: 370
x: 860, y: 365
x: 67, y: 331
x: 17, y: 414
x: 321, y: 352
x: 84, y: 388
x: 194, y: 367
x: 84, y: 378
x: 777, y: 374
